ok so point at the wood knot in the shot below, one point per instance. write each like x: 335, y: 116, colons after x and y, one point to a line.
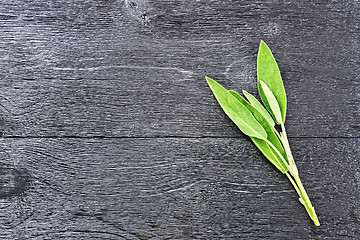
x: 132, y: 4
x: 138, y: 10
x: 13, y: 182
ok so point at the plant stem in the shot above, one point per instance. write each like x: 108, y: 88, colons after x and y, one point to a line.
x: 309, y: 208
x: 277, y: 133
x: 278, y: 153
x: 304, y: 198
x: 294, y: 184
x: 286, y: 145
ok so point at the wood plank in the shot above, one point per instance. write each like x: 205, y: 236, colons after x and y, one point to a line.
x: 174, y: 188
x: 136, y: 68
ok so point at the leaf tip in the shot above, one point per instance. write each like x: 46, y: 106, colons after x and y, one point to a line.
x: 209, y: 80
x: 263, y: 44
x: 247, y: 95
x: 262, y: 83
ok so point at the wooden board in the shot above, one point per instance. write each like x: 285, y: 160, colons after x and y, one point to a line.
x: 173, y: 188
x: 94, y: 69
x: 109, y: 130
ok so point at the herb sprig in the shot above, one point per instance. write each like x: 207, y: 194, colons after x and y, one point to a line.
x: 259, y: 122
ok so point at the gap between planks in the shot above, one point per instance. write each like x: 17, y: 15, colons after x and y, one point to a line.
x: 155, y: 137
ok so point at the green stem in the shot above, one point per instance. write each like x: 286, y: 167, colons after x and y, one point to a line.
x: 281, y: 156
x: 304, y: 198
x: 277, y: 133
x: 308, y: 206
x: 294, y: 184
x: 286, y: 145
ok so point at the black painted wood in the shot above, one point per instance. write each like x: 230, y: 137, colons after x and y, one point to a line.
x: 110, y: 132
x: 174, y: 188
x: 136, y: 68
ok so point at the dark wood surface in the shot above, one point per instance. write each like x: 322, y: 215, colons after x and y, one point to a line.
x: 109, y: 130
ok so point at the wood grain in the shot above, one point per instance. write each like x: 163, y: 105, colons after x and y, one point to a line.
x: 109, y: 130
x: 93, y: 68
x: 174, y: 188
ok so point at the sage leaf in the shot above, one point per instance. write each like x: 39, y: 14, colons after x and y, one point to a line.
x: 270, y: 154
x: 264, y: 147
x: 271, y: 136
x: 268, y: 72
x: 256, y: 104
x: 251, y: 117
x: 272, y: 102
x: 238, y: 113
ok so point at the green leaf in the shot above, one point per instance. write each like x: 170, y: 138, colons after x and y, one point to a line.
x: 238, y: 113
x: 264, y: 147
x: 268, y: 71
x: 256, y: 104
x: 271, y: 136
x: 270, y: 154
x: 272, y: 102
x: 258, y: 116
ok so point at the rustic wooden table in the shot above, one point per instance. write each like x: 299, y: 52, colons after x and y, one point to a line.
x: 109, y: 130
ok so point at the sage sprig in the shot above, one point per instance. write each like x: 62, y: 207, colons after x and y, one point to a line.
x: 258, y: 122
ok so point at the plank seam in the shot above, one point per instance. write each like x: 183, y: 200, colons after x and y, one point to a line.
x: 155, y: 137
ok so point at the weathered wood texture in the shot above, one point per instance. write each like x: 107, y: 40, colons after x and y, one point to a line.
x: 136, y: 68
x: 174, y: 188
x: 109, y: 130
